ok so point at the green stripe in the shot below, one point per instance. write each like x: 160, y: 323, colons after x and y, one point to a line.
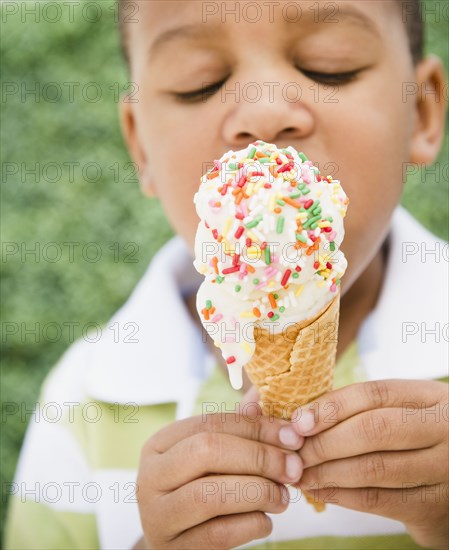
x: 34, y: 525
x: 378, y: 542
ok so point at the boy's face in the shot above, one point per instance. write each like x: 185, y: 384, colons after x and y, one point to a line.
x: 274, y: 63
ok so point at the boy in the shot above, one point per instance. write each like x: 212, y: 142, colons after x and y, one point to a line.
x: 378, y: 454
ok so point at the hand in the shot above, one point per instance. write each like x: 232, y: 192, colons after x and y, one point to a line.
x: 208, y: 481
x: 382, y: 447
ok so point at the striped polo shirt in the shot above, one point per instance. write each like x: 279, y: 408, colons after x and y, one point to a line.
x: 75, y: 481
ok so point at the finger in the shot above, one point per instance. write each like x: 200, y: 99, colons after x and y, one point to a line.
x: 212, y: 496
x: 209, y: 452
x: 387, y: 470
x: 252, y: 425
x: 407, y: 504
x: 375, y: 430
x: 338, y: 405
x: 251, y: 396
x: 225, y: 532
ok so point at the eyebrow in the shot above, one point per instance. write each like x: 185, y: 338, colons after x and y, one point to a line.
x: 352, y: 14
x: 196, y: 31
x: 185, y: 31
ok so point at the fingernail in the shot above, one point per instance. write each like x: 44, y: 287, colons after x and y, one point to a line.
x: 306, y: 421
x: 288, y: 437
x: 293, y: 467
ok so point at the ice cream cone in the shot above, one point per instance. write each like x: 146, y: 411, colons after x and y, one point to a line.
x: 295, y: 367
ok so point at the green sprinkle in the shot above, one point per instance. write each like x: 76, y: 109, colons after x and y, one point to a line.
x: 338, y: 281
x: 306, y: 191
x: 302, y: 156
x: 295, y: 274
x: 267, y: 256
x: 233, y: 166
x: 219, y: 279
x: 237, y: 288
x: 330, y: 219
x: 310, y: 221
x: 314, y: 225
x: 332, y: 246
x: 275, y: 317
x: 282, y: 309
x: 300, y: 237
x: 316, y: 211
x: 254, y: 222
x: 264, y: 160
x: 280, y: 202
x: 302, y: 209
x: 295, y: 195
x: 280, y: 224
x: 256, y: 281
x: 208, y: 304
x: 276, y: 296
x: 316, y: 203
x: 301, y: 185
x: 252, y: 153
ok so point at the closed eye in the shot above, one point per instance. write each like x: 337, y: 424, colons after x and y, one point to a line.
x: 332, y: 79
x: 201, y: 94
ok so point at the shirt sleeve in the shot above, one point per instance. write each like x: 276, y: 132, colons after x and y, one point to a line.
x: 46, y: 507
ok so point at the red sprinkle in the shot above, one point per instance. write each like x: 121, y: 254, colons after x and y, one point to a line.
x: 308, y: 204
x: 241, y: 181
x: 249, y: 242
x: 318, y: 177
x: 239, y: 232
x: 312, y: 237
x: 327, y: 229
x: 215, y: 233
x: 270, y: 314
x: 329, y: 265
x: 232, y: 269
x: 278, y: 161
x: 230, y: 360
x: 297, y: 268
x: 224, y: 189
x: 263, y: 246
x: 235, y: 259
x: 239, y: 215
x: 316, y: 265
x: 286, y: 167
x: 258, y: 173
x: 286, y: 277
x: 267, y: 185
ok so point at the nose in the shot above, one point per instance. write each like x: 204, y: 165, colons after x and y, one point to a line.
x: 272, y: 117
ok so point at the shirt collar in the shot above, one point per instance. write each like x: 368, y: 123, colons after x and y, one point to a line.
x: 166, y: 358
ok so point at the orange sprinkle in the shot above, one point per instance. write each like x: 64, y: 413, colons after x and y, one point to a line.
x: 212, y: 310
x: 291, y: 202
x: 238, y: 198
x: 250, y: 268
x: 212, y: 175
x: 293, y: 183
x: 256, y: 311
x: 205, y: 312
x: 272, y: 299
x: 260, y: 155
x: 219, y: 238
x: 214, y: 264
x: 277, y: 210
x: 273, y: 170
x: 218, y: 204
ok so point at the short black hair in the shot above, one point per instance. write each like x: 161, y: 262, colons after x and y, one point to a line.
x: 410, y: 14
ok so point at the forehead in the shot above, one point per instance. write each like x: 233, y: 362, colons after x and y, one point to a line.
x: 157, y: 17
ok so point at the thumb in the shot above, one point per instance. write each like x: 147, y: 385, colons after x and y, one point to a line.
x: 251, y: 396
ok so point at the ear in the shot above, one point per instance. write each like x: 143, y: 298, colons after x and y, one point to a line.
x: 131, y: 137
x: 430, y: 110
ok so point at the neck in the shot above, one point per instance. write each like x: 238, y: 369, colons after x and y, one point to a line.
x: 361, y: 299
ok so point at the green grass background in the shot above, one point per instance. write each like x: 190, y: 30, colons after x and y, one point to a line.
x: 110, y: 210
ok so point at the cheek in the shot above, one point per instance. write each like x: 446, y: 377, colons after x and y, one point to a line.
x: 178, y: 144
x: 371, y: 153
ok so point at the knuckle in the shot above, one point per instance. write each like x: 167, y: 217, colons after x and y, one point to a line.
x: 374, y: 426
x: 203, y: 447
x: 378, y: 393
x: 372, y: 467
x: 318, y: 447
x: 261, y: 459
x: 217, y: 533
x: 371, y: 498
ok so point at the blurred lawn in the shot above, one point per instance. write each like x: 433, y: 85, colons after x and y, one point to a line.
x: 110, y: 210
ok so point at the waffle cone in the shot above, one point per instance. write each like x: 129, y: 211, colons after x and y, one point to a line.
x: 295, y: 367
